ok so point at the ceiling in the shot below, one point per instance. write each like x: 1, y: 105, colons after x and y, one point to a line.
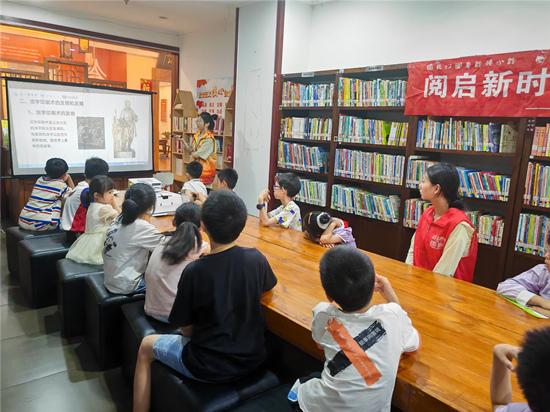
x: 182, y: 16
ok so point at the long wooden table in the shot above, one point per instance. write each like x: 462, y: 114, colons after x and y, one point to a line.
x: 458, y: 322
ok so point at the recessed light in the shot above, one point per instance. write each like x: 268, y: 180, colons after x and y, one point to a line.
x: 163, y: 17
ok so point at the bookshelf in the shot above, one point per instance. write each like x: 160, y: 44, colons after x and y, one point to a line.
x: 391, y: 238
x: 183, y: 114
x: 228, y: 133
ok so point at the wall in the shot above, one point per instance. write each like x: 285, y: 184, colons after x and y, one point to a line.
x: 296, y: 36
x: 355, y: 34
x: 207, y: 54
x: 255, y: 63
x: 101, y: 26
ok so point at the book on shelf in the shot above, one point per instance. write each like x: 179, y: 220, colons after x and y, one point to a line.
x: 307, y: 95
x: 301, y: 157
x: 490, y: 228
x: 466, y: 135
x: 353, y: 129
x: 314, y: 128
x: 541, y: 141
x: 374, y: 167
x: 312, y: 192
x: 377, y: 92
x: 362, y: 203
x: 229, y: 152
x: 537, y: 185
x: 184, y: 124
x: 413, y: 210
x: 218, y: 126
x: 473, y: 183
x: 532, y: 233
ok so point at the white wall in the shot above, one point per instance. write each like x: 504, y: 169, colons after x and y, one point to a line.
x: 347, y: 34
x: 255, y: 64
x: 296, y: 37
x: 207, y: 54
x: 101, y: 26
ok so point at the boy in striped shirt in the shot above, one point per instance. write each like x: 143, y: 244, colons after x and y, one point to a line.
x: 43, y: 209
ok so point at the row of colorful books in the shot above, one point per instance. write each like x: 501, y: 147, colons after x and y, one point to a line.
x: 490, y: 228
x: 541, y: 141
x: 537, y: 185
x: 307, y: 95
x: 473, y: 183
x: 532, y: 233
x: 183, y: 124
x: 314, y: 128
x: 377, y: 92
x: 374, y: 167
x: 360, y: 202
x: 353, y: 129
x: 301, y: 157
x: 465, y: 135
x: 312, y: 192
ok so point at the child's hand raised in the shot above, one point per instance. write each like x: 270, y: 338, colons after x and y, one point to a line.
x: 264, y: 196
x: 506, y: 354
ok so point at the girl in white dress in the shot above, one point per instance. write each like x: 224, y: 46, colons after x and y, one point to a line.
x: 103, y: 209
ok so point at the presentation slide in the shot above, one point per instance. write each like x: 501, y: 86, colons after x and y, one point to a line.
x: 75, y: 123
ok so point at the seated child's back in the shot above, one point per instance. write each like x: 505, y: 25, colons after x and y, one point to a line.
x: 43, y: 209
x: 170, y: 257
x: 362, y: 342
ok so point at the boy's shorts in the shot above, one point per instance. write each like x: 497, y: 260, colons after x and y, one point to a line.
x: 168, y: 349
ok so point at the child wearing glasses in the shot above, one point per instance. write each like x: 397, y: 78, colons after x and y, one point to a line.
x: 287, y: 186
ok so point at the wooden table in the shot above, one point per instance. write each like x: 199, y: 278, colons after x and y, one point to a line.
x: 458, y: 322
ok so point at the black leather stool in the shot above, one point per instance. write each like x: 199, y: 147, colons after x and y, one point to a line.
x: 37, y: 268
x: 170, y: 391
x: 70, y: 295
x: 135, y: 326
x: 104, y: 320
x: 14, y: 235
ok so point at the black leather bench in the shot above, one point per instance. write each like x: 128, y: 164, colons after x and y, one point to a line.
x: 70, y: 295
x: 274, y: 400
x: 14, y: 235
x: 135, y: 326
x: 104, y: 320
x: 171, y: 391
x: 38, y: 257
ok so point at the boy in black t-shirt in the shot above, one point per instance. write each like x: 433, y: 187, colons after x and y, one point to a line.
x: 217, y: 307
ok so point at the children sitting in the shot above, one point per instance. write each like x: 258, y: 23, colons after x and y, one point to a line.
x: 74, y: 214
x: 43, y: 209
x: 531, y: 288
x: 533, y: 360
x: 102, y: 210
x: 328, y: 231
x: 362, y: 342
x: 129, y: 241
x: 287, y: 186
x: 193, y: 184
x: 217, y: 308
x: 225, y: 179
x: 167, y: 262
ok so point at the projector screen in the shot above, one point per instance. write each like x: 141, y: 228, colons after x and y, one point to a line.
x: 76, y: 122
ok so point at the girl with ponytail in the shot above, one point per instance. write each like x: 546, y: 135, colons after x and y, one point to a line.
x: 203, y: 149
x: 169, y: 259
x: 326, y: 230
x: 102, y: 209
x: 445, y: 240
x: 129, y: 241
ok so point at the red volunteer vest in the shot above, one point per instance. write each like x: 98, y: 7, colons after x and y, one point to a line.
x: 430, y: 239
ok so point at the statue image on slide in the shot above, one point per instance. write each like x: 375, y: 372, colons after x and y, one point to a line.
x: 124, y: 132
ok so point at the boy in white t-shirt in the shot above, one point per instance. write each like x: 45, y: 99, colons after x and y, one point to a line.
x: 193, y: 187
x: 286, y: 187
x: 362, y: 342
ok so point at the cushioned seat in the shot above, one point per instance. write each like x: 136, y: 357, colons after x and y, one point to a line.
x: 170, y: 391
x: 274, y: 400
x: 70, y: 295
x: 104, y: 320
x: 135, y: 326
x: 14, y: 235
x: 37, y: 267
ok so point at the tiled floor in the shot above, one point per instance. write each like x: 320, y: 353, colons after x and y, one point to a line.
x: 43, y: 372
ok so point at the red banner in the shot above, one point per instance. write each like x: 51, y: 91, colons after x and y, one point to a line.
x: 498, y: 85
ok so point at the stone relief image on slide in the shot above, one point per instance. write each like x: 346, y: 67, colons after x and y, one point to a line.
x: 124, y: 132
x: 91, y: 133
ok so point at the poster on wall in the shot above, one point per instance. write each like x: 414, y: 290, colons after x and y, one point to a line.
x: 506, y: 85
x: 212, y: 96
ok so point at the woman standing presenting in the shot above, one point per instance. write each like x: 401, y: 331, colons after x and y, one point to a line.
x: 445, y: 240
x: 203, y: 149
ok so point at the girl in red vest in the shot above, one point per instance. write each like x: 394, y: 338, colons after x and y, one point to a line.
x: 445, y: 240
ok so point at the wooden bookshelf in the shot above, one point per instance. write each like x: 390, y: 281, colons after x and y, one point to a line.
x: 183, y: 107
x: 229, y: 132
x: 393, y: 239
